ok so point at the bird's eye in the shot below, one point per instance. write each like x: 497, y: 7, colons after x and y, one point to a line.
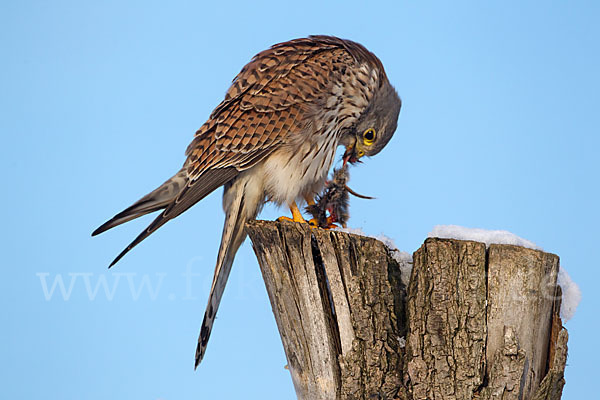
x: 369, y: 136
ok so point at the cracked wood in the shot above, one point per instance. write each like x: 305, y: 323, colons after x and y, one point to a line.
x: 478, y: 323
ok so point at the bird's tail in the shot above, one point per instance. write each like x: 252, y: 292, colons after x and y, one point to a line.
x: 156, y: 200
x: 239, y: 208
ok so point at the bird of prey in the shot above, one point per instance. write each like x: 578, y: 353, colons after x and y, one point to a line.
x: 273, y: 139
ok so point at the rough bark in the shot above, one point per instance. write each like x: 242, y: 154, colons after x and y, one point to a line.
x: 339, y: 304
x: 446, y: 311
x: 477, y: 323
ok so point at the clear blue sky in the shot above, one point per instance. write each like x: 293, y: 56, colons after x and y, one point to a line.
x: 98, y: 100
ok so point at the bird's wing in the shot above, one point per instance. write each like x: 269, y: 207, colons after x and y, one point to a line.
x: 261, y: 84
x: 264, y: 103
x: 190, y: 194
x: 156, y: 200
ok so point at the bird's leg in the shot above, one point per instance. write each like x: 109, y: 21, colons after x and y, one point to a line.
x: 309, y: 200
x: 296, y: 214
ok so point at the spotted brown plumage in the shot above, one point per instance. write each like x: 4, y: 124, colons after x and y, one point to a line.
x: 273, y: 138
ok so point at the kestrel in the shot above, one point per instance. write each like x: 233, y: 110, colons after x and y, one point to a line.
x: 273, y: 139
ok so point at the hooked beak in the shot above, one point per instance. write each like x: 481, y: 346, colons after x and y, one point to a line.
x: 351, y: 155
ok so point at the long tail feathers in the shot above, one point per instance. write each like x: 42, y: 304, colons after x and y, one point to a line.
x: 232, y: 238
x: 153, y: 201
x: 177, y: 195
x: 174, y: 196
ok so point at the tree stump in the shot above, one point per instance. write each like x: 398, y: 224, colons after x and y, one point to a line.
x: 473, y: 323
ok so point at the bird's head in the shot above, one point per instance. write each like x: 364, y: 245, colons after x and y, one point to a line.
x: 375, y: 127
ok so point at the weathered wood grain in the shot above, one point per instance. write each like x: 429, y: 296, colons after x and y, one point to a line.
x: 521, y: 287
x: 339, y: 305
x: 478, y: 323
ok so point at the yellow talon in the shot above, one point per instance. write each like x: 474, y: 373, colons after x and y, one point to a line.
x: 296, y: 215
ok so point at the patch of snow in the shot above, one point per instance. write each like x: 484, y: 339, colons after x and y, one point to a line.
x: 403, y: 258
x: 571, y: 295
x: 480, y: 235
x: 570, y: 290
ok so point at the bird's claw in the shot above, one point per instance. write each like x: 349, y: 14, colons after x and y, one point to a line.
x: 295, y: 219
x: 296, y: 215
x: 313, y: 222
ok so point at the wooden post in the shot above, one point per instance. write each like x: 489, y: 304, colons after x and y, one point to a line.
x: 473, y: 322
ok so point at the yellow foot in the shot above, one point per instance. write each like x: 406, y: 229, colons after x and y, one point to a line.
x: 288, y: 219
x: 296, y: 215
x: 309, y: 200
